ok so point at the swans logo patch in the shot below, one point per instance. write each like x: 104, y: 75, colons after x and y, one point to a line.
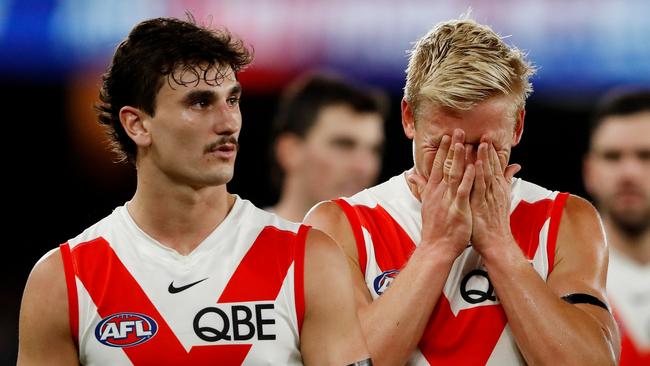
x: 382, y: 281
x: 125, y: 329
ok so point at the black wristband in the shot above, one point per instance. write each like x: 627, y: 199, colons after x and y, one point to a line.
x: 584, y: 299
x: 366, y: 362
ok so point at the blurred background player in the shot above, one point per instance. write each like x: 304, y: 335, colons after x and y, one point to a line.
x: 328, y: 139
x: 54, y: 51
x: 617, y: 175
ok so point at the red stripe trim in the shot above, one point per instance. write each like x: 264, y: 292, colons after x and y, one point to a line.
x: 114, y: 290
x: 464, y: 339
x: 631, y: 355
x: 299, y: 274
x: 71, y: 284
x: 392, y: 245
x: 554, y: 228
x: 526, y: 222
x: 260, y: 274
x: 355, y: 223
x: 468, y: 338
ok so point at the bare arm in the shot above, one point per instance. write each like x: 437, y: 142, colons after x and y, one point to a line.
x: 391, y: 327
x: 44, y: 334
x: 331, y: 334
x: 547, y: 329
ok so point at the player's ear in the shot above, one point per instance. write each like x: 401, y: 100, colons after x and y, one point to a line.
x: 135, y: 123
x: 408, y: 119
x: 288, y: 151
x: 518, y: 131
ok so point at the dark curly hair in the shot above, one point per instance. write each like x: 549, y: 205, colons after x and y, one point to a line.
x: 152, y: 53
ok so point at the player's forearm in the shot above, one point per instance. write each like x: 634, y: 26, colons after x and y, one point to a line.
x: 547, y: 329
x: 393, y: 324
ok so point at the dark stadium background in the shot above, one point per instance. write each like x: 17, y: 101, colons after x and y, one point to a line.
x: 58, y: 177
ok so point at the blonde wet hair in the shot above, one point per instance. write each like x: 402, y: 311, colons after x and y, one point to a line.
x: 460, y: 63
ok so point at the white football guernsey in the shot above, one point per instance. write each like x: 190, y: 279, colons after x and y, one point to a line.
x: 236, y: 299
x: 468, y: 325
x: 628, y: 289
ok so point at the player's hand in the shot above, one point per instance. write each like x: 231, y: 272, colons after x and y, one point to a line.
x: 446, y: 215
x: 490, y: 199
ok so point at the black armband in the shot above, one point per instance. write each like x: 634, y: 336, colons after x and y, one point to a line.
x: 585, y: 299
x: 366, y: 362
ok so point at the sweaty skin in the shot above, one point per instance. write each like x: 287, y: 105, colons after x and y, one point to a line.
x: 462, y: 178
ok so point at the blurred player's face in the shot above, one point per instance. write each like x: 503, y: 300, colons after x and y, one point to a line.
x: 617, y: 170
x: 341, y: 153
x: 193, y: 135
x: 496, y: 118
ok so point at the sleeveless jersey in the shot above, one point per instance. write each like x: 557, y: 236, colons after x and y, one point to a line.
x: 236, y: 299
x: 468, y: 325
x: 628, y: 289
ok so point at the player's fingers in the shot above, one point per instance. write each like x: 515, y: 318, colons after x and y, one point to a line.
x: 503, y: 161
x: 495, y: 164
x: 479, y: 187
x: 437, y: 169
x: 457, y: 169
x: 483, y: 156
x: 465, y: 187
x: 511, y: 170
x: 469, y: 149
x: 417, y: 180
x: 458, y: 137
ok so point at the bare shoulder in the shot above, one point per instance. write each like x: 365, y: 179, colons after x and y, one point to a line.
x: 47, y: 281
x: 321, y: 248
x: 330, y: 218
x: 578, y: 208
x: 581, y: 250
x: 44, y: 331
x: 326, y: 214
x: 581, y: 227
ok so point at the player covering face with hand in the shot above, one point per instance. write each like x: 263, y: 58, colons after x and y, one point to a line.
x: 456, y: 262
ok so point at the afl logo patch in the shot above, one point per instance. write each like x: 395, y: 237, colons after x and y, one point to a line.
x: 382, y: 281
x: 125, y: 329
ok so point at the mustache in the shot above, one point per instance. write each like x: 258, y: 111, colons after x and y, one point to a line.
x: 222, y: 140
x: 629, y: 187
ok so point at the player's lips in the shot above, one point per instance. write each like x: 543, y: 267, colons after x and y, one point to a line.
x: 225, y: 147
x: 629, y: 196
x: 226, y: 151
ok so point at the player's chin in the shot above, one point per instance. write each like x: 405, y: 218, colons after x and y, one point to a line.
x: 220, y: 175
x: 631, y: 212
x: 630, y: 202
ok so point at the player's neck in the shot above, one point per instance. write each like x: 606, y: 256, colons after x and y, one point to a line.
x: 179, y: 217
x: 636, y: 248
x: 294, y: 202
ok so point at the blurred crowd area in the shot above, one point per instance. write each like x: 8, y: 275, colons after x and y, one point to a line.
x: 60, y: 176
